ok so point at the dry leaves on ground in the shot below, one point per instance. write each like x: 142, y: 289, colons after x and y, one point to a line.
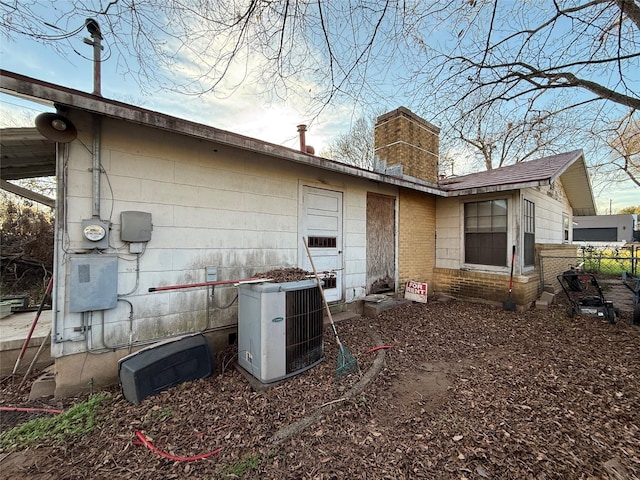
x: 467, y: 391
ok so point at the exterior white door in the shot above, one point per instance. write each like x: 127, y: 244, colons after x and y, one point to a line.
x: 321, y: 225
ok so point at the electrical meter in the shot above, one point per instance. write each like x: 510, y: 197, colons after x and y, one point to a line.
x: 96, y: 233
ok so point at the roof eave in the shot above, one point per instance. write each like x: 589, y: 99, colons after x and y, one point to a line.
x: 585, y: 205
x: 26, y: 87
x: 496, y: 188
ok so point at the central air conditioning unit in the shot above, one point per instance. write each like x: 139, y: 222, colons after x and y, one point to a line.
x: 280, y: 329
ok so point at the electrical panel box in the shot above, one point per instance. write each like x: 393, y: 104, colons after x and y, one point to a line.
x: 212, y: 274
x: 135, y: 226
x: 93, y: 282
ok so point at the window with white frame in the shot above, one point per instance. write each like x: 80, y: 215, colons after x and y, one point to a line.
x: 485, y: 232
x: 565, y: 228
x: 529, y: 224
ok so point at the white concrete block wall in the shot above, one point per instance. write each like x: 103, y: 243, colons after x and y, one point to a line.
x: 210, y: 206
x: 448, y: 233
x: 549, y: 212
x: 450, y: 228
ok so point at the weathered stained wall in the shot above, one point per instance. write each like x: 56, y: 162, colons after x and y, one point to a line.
x: 486, y: 286
x: 551, y: 204
x: 211, y: 205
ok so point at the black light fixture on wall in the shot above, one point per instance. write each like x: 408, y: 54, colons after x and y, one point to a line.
x: 56, y: 127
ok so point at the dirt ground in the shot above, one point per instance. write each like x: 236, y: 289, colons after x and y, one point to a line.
x: 466, y: 391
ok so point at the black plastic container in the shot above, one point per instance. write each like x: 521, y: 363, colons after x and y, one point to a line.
x: 163, y: 365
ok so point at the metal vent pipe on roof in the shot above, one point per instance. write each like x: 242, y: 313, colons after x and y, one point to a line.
x: 304, y: 148
x: 303, y: 145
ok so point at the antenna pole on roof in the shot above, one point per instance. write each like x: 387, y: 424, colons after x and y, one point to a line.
x: 95, y: 42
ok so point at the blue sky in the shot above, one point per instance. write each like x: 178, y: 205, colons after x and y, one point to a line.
x: 245, y: 109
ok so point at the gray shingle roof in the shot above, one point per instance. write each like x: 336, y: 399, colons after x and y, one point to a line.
x: 540, y: 170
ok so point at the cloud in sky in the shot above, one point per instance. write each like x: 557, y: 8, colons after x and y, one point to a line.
x: 244, y: 104
x: 241, y: 104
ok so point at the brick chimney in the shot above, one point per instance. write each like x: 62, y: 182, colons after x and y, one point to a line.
x: 403, y: 137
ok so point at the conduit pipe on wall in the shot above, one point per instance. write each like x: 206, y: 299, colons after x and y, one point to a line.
x: 96, y: 167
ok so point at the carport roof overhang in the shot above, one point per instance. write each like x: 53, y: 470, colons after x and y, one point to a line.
x: 25, y: 153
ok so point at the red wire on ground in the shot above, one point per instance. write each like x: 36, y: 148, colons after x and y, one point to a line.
x: 30, y: 410
x: 380, y: 347
x: 150, y: 446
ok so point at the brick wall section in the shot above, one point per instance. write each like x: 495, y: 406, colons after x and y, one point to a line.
x: 401, y: 137
x: 417, y: 244
x: 491, y: 287
x: 495, y: 287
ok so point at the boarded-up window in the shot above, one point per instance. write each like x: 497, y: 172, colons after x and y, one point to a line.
x: 380, y: 243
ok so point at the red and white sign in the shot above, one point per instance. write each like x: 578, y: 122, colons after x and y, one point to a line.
x: 416, y: 291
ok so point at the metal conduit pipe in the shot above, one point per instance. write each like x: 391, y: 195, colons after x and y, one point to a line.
x: 96, y: 167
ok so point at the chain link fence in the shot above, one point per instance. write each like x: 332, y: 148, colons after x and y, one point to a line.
x: 600, y: 260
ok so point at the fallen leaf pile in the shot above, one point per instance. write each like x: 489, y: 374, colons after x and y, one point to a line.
x: 466, y: 391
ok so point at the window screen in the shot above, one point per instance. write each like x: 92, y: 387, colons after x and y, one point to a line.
x: 485, y: 232
x: 529, y: 221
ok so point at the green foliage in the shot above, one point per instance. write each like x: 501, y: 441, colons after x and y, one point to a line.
x: 79, y: 420
x: 249, y: 462
x: 631, y: 209
x: 610, y: 261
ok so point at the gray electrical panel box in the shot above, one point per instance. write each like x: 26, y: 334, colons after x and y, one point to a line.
x: 93, y: 282
x: 212, y: 274
x: 135, y: 226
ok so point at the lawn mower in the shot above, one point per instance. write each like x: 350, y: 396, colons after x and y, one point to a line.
x: 585, y: 296
x: 626, y: 279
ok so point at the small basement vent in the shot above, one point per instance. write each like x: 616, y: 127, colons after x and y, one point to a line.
x: 280, y: 330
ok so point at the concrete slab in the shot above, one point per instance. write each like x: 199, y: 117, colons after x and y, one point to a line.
x: 372, y: 309
x: 44, y: 385
x: 614, y: 291
x: 15, y: 327
x: 547, y: 297
x: 542, y: 305
x: 341, y: 317
x: 257, y: 385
